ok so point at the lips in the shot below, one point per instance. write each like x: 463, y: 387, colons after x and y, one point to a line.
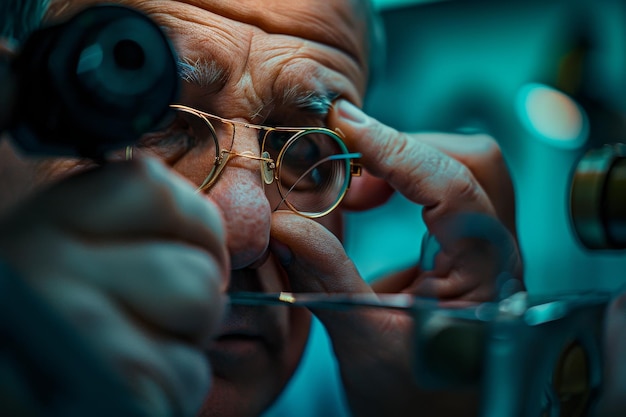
x: 245, y: 323
x: 246, y: 341
x: 250, y: 335
x: 239, y: 347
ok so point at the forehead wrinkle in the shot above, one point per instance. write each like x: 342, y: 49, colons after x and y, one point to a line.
x: 208, y: 34
x: 309, y: 84
x: 323, y: 65
x: 346, y: 32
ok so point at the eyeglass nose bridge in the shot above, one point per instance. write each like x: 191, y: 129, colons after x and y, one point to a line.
x: 268, y: 165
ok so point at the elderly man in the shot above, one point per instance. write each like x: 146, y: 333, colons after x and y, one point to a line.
x: 255, y: 74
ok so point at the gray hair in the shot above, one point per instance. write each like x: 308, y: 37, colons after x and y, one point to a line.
x: 18, y: 18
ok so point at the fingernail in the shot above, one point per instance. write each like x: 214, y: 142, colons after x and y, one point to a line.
x: 351, y: 113
x: 282, y: 252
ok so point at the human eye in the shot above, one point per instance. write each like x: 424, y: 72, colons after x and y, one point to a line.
x: 274, y: 140
x: 303, y: 152
x: 187, y: 135
x: 175, y: 140
x: 308, y: 163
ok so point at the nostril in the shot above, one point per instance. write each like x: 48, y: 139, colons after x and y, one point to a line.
x: 247, y: 259
x: 261, y: 260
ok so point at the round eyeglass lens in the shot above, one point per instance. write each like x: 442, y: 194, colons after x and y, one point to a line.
x: 188, y: 143
x: 313, y: 172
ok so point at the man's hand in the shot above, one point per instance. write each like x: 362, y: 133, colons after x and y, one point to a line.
x: 135, y: 261
x: 466, y: 190
x: 467, y: 195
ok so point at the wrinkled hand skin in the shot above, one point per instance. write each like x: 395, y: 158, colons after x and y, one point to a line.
x: 459, y: 180
x: 93, y: 247
x: 452, y: 176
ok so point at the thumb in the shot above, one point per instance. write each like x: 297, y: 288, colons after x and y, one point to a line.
x: 368, y: 343
x: 313, y: 257
x: 315, y: 261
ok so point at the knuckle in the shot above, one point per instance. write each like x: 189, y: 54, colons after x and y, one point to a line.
x: 394, y: 152
x: 192, y: 285
x: 461, y: 187
x: 491, y: 152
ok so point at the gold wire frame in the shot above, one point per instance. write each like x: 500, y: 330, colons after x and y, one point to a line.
x: 270, y: 169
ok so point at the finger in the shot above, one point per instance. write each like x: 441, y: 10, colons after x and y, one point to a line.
x: 366, y: 192
x: 139, y: 196
x: 174, y: 289
x: 165, y: 376
x: 306, y: 242
x: 396, y: 282
x: 479, y: 260
x: 425, y: 175
x: 367, y: 342
x: 482, y: 155
x: 135, y: 200
x: 316, y: 262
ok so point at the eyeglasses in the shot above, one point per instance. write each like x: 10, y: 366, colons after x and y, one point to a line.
x: 311, y: 166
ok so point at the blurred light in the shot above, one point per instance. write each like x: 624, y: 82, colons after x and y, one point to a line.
x: 552, y: 116
x: 390, y: 4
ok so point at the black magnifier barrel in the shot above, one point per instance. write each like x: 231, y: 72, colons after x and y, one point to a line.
x: 93, y: 84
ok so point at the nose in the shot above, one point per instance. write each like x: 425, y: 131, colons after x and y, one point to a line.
x: 239, y: 192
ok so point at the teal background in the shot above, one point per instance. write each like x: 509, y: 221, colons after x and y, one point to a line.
x: 455, y: 66
x: 458, y: 65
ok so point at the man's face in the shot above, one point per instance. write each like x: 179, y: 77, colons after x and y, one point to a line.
x: 264, y: 62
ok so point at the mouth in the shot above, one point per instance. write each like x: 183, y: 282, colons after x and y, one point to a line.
x: 237, y: 352
x: 249, y: 335
x: 241, y: 345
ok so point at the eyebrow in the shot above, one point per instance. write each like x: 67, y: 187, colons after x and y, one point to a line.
x: 209, y: 75
x: 310, y: 101
x: 202, y: 73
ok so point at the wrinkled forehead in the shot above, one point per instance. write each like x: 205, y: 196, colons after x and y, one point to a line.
x: 341, y: 24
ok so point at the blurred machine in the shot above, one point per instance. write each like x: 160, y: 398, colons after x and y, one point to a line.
x: 547, y: 79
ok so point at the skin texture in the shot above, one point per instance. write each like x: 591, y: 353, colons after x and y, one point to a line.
x: 256, y: 349
x: 265, y: 49
x: 93, y: 247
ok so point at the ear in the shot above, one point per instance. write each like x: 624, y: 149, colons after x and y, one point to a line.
x: 366, y: 192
